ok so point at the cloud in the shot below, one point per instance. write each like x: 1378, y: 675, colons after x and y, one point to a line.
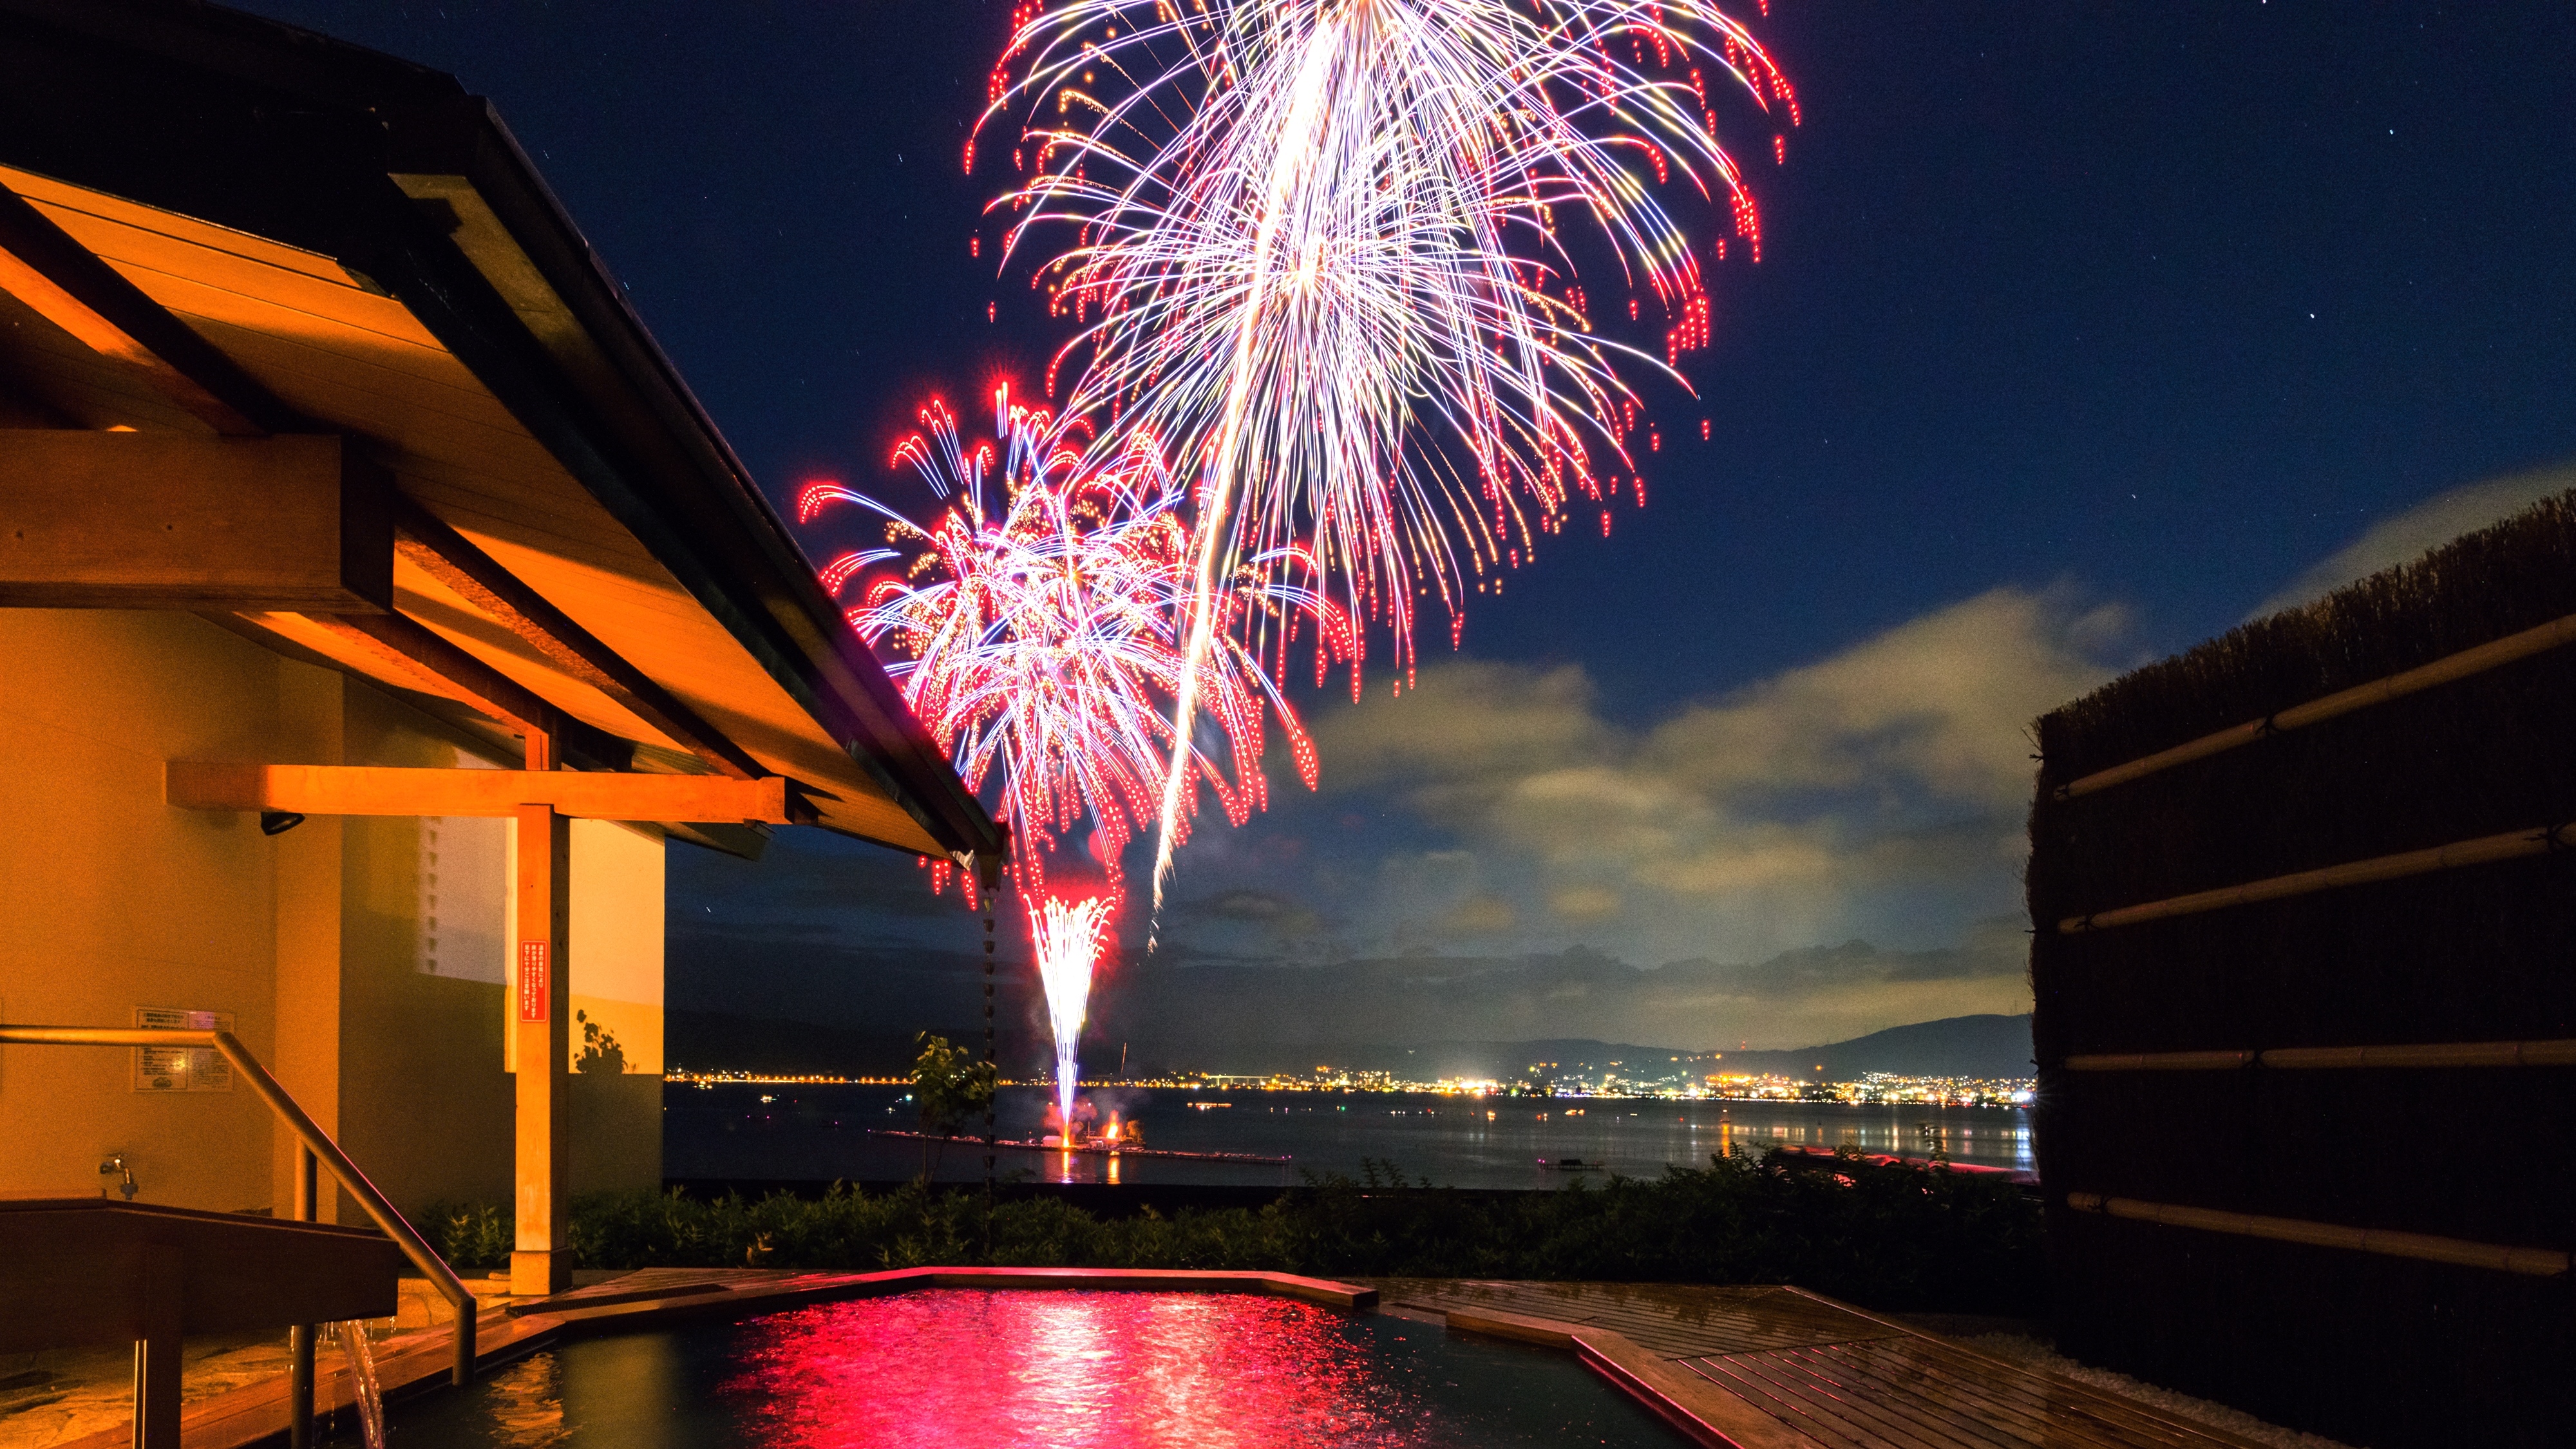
x: 1584, y: 902
x: 1480, y: 915
x: 1877, y: 792
x: 1281, y: 918
x: 2403, y: 537
x: 1826, y: 993
x: 1494, y: 850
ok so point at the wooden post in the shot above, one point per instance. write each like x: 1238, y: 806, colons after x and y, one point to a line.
x: 299, y: 1338
x: 541, y: 999
x: 988, y: 872
x: 156, y: 1350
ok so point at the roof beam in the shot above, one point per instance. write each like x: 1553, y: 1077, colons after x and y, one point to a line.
x: 290, y: 636
x: 447, y: 556
x: 108, y: 520
x: 407, y: 649
x: 743, y: 842
x: 378, y: 790
x: 689, y: 504
x: 42, y: 266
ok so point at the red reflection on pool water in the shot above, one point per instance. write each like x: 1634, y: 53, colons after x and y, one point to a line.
x: 1061, y: 1369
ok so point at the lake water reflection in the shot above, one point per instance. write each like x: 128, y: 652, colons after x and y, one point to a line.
x: 820, y: 1132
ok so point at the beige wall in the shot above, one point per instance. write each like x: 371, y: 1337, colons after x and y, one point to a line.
x: 423, y: 1102
x: 111, y: 900
x: 615, y: 972
x: 617, y: 933
x: 617, y: 900
x: 348, y: 951
x: 307, y: 906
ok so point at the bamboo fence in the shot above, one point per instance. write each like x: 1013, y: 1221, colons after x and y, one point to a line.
x: 2433, y: 1056
x: 2477, y: 660
x: 2485, y: 850
x: 2535, y: 1262
x: 2330, y: 829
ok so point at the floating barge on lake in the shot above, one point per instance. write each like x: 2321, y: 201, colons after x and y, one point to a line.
x: 1085, y: 1149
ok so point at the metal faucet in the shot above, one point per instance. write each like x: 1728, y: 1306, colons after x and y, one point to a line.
x: 114, y: 1164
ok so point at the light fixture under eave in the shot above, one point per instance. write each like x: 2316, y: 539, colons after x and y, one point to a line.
x: 278, y: 822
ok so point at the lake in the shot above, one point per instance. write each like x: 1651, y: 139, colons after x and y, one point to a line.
x: 821, y: 1132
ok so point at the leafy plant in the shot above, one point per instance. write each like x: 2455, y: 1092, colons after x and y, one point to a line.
x: 600, y: 1050
x: 951, y: 1088
x: 469, y: 1235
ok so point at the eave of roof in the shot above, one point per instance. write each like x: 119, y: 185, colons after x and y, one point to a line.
x: 414, y: 187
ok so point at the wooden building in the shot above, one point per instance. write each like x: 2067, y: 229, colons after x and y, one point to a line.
x: 376, y: 606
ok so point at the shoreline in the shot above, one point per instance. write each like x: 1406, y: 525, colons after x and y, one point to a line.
x: 1093, y: 1149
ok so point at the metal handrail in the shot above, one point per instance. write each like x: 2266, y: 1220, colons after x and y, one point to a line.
x: 315, y: 1141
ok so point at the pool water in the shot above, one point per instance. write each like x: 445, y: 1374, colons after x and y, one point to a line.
x: 1039, y: 1369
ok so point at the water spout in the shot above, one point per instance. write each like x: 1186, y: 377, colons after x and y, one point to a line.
x: 363, y: 1389
x: 1067, y: 934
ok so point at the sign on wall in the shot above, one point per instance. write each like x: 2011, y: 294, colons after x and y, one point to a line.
x: 181, y: 1069
x: 532, y: 980
x: 608, y: 980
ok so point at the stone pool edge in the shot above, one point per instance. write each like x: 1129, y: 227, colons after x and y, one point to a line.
x: 416, y: 1363
x: 606, y: 1305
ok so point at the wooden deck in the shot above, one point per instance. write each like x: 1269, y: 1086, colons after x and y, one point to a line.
x: 1732, y: 1367
x: 1782, y: 1367
x: 406, y: 1363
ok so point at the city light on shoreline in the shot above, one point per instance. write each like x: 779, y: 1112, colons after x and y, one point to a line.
x: 1869, y: 1089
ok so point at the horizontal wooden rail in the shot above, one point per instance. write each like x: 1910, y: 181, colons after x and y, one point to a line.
x: 2161, y: 1061
x: 2423, y: 1056
x: 383, y: 790
x: 310, y: 1133
x: 2537, y: 1262
x: 2486, y: 850
x: 2467, y: 662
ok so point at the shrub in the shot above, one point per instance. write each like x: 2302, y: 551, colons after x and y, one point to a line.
x: 1885, y: 1237
x: 468, y: 1235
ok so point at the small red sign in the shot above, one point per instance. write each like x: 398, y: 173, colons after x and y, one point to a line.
x: 532, y: 981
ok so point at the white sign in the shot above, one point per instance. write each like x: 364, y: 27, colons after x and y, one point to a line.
x: 181, y: 1069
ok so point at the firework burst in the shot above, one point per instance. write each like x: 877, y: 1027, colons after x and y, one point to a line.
x: 1038, y: 628
x: 1315, y: 246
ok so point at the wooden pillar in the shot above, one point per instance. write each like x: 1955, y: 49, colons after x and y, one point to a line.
x: 988, y: 874
x: 541, y: 1000
x: 156, y: 1350
x: 300, y: 1337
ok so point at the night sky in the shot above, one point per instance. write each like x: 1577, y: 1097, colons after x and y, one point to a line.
x: 2081, y: 332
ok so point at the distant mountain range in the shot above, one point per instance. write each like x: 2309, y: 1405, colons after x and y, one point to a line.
x: 1958, y: 1046
x: 833, y: 1002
